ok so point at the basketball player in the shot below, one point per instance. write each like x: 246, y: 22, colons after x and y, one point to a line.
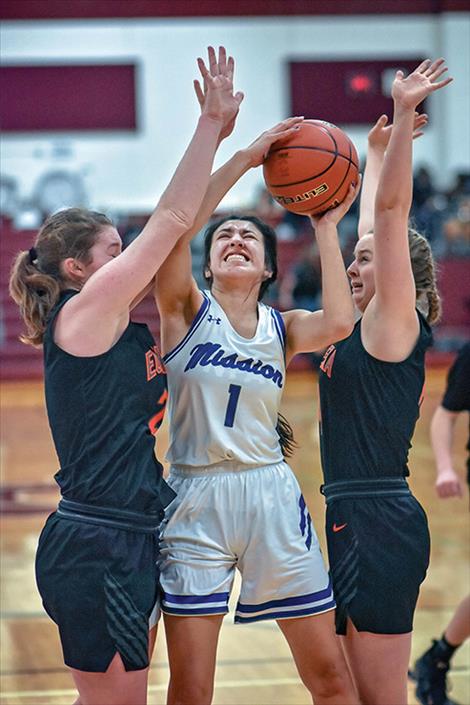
x: 370, y: 389
x: 238, y: 503
x: 430, y: 670
x: 105, y: 395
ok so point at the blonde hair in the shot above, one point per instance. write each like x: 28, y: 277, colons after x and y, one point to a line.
x: 36, y: 278
x: 424, y: 272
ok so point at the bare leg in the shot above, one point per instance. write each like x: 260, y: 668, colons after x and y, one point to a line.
x: 152, y: 640
x: 458, y: 629
x: 379, y: 664
x: 192, y: 647
x: 319, y: 659
x: 115, y: 687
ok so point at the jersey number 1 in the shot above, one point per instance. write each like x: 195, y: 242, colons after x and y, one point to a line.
x: 233, y: 394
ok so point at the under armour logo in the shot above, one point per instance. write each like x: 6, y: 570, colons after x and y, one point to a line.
x: 211, y: 318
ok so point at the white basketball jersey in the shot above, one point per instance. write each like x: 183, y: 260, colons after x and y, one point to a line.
x: 225, y: 390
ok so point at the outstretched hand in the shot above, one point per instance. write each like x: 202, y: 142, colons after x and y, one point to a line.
x: 334, y: 215
x: 412, y: 90
x: 379, y: 135
x: 216, y: 96
x: 258, y: 150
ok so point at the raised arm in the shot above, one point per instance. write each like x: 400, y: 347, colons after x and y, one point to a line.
x: 390, y: 323
x: 109, y: 292
x: 177, y: 294
x: 377, y: 142
x: 309, y: 331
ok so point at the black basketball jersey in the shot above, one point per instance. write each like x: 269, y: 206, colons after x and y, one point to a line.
x: 103, y: 412
x: 369, y: 408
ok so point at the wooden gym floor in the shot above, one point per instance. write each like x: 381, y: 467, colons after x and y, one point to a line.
x: 254, y: 664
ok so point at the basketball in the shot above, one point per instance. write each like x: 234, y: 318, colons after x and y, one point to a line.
x: 311, y: 171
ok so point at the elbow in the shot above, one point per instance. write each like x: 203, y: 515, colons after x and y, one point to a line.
x: 391, y: 204
x: 181, y: 220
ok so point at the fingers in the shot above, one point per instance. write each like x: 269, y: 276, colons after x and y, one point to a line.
x: 433, y: 67
x: 218, y: 65
x: 213, y: 63
x: 199, y: 92
x: 354, y: 190
x: 449, y: 488
x: 282, y: 134
x: 441, y: 84
x: 420, y: 121
x: 239, y: 97
x: 202, y: 67
x: 222, y: 63
x: 433, y: 70
x: 287, y: 123
x: 230, y: 67
x: 424, y: 65
x: 448, y: 491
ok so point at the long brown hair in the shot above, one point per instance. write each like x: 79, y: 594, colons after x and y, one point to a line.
x: 36, y: 278
x: 286, y: 436
x: 424, y: 273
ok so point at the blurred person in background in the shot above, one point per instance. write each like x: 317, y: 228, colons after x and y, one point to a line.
x: 430, y: 669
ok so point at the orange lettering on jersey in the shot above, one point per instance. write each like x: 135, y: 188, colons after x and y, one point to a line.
x: 154, y: 363
x: 328, y: 360
x: 421, y: 396
x: 156, y: 421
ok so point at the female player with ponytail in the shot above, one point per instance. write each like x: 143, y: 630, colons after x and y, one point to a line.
x: 105, y: 395
x: 370, y: 391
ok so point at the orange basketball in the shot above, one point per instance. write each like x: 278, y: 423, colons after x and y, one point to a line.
x: 312, y: 170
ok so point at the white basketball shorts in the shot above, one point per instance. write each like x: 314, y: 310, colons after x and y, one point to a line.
x: 253, y: 519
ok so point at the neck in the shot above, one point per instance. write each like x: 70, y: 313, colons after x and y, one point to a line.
x: 239, y: 302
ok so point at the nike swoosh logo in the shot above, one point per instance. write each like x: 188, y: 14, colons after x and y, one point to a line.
x: 338, y: 528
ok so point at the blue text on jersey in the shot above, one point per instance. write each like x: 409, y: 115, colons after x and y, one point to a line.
x: 213, y: 354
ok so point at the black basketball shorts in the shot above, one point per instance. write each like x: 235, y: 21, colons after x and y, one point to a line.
x: 378, y: 552
x: 99, y: 585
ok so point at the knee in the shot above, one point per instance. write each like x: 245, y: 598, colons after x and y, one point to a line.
x: 329, y: 680
x: 183, y: 691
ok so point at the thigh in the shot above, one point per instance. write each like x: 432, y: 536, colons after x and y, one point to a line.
x: 379, y: 664
x: 192, y: 647
x: 114, y: 687
x: 197, y: 564
x: 313, y: 641
x: 319, y: 658
x: 283, y: 571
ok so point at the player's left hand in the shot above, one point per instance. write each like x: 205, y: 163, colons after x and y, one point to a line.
x: 219, y: 78
x: 258, y: 150
x: 411, y: 91
x: 334, y: 215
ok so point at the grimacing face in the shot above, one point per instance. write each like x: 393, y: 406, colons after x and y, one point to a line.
x: 237, y: 252
x: 361, y: 272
